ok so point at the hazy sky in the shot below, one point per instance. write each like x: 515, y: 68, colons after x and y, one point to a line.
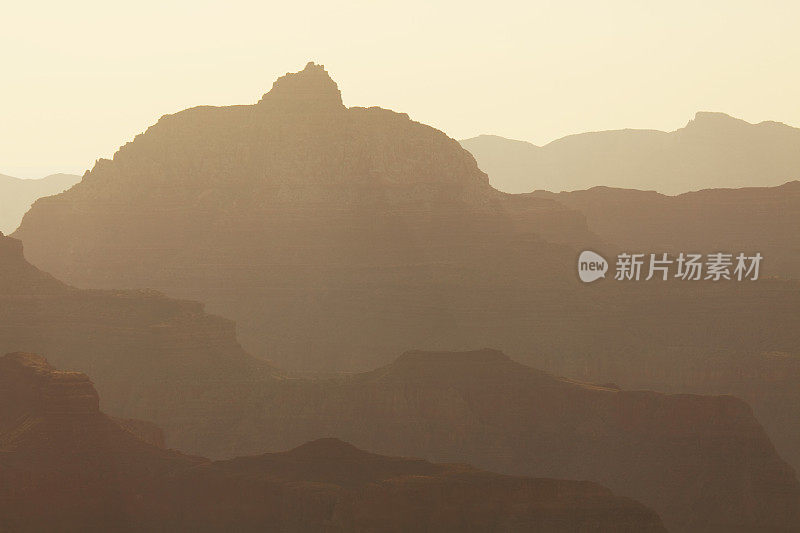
x: 81, y: 78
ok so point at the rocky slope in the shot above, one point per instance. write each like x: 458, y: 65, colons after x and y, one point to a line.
x: 64, y: 465
x: 713, y: 150
x: 17, y: 195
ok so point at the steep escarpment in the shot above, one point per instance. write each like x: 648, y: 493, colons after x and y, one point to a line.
x: 64, y: 465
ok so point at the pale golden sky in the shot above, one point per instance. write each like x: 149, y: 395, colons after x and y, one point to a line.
x: 81, y: 78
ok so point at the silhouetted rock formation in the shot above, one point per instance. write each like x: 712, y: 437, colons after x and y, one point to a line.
x: 17, y: 195
x: 299, y: 211
x: 713, y: 150
x: 66, y: 466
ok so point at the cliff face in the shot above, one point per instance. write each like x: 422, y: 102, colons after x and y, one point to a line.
x: 712, y: 150
x: 64, y: 465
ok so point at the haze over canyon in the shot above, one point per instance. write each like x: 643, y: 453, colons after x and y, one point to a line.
x: 391, y: 306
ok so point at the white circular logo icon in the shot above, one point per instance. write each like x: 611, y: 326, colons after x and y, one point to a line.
x: 591, y: 266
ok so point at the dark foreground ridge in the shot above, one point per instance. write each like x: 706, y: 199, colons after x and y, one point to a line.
x: 66, y: 466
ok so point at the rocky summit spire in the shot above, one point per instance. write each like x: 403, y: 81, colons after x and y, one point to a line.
x: 311, y: 88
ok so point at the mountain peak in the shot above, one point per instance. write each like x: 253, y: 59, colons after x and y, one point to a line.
x: 311, y: 88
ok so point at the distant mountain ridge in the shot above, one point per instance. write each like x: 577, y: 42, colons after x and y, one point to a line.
x: 714, y: 150
x: 17, y: 195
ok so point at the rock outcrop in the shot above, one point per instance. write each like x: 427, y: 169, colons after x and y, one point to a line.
x: 66, y: 466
